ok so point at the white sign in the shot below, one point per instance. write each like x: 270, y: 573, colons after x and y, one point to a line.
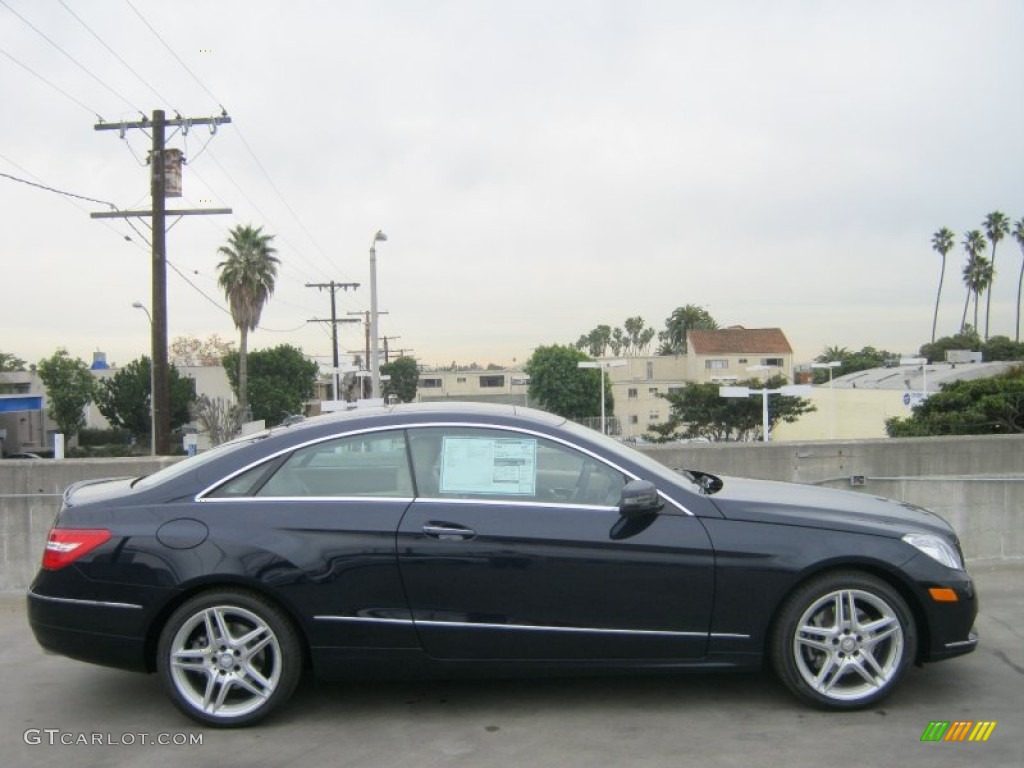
x: 489, y: 465
x: 914, y: 399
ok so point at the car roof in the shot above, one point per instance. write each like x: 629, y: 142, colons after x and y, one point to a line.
x: 439, y: 411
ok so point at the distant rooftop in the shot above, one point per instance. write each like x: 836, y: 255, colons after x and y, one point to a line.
x: 909, y: 377
x: 737, y: 340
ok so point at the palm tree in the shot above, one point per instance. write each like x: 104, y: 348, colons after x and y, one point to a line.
x: 974, y: 244
x: 1018, y: 235
x: 247, y: 276
x: 942, y: 243
x: 996, y: 226
x: 683, y: 319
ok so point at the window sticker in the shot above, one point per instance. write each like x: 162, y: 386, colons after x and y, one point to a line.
x: 489, y: 465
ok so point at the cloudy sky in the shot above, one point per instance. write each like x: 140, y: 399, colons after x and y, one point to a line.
x: 539, y: 167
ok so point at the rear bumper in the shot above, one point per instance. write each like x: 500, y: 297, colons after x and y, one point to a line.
x: 98, y: 632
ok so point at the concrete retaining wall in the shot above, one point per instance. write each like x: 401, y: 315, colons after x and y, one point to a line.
x: 977, y: 483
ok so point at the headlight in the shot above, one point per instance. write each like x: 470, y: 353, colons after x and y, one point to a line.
x: 937, y: 548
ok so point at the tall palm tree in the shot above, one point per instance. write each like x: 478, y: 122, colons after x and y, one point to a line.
x: 974, y: 244
x: 683, y: 319
x: 997, y: 225
x: 1018, y: 235
x: 942, y: 243
x: 247, y: 276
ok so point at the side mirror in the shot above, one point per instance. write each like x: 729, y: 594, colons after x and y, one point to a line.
x: 639, y: 498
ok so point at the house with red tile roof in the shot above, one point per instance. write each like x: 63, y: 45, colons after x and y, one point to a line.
x: 729, y: 354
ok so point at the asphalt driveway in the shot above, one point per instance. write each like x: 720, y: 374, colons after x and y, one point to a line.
x: 57, y: 711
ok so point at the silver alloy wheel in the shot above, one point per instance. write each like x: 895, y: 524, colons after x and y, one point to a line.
x: 848, y: 644
x: 225, y: 661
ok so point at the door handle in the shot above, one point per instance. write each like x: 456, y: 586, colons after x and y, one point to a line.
x: 448, y: 532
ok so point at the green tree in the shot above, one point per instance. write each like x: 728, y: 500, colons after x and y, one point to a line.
x: 990, y: 406
x: 942, y: 243
x: 558, y: 385
x: 1002, y: 348
x: 699, y: 410
x: 974, y: 272
x: 1018, y: 235
x: 405, y: 377
x: 247, y: 276
x: 862, y: 360
x: 9, y: 363
x: 683, y: 319
x: 280, y: 381
x: 967, y: 339
x: 997, y: 226
x: 596, y: 342
x: 70, y: 386
x: 638, y: 335
x: 124, y: 398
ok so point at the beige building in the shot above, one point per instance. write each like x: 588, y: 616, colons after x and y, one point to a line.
x: 729, y: 354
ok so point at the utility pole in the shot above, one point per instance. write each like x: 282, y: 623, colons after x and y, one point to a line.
x: 385, y: 340
x: 368, y: 329
x: 333, y: 287
x: 158, y: 215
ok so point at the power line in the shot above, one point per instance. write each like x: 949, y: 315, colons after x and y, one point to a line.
x: 114, y: 53
x: 266, y: 218
x: 55, y: 87
x: 59, y: 191
x: 245, y: 144
x: 71, y: 201
x: 171, y: 51
x: 73, y: 60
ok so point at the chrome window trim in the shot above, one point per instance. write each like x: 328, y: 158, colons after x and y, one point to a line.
x: 277, y: 499
x: 509, y: 503
x: 532, y: 628
x: 201, y: 496
x: 77, y: 601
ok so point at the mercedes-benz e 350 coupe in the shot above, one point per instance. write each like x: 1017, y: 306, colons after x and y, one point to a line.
x: 451, y: 540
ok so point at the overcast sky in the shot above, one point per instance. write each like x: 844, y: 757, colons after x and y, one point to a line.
x: 539, y: 167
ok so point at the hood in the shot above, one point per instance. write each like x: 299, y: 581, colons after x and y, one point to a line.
x: 765, y: 501
x: 87, y: 491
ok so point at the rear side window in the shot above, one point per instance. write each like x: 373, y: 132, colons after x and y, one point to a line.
x: 369, y: 465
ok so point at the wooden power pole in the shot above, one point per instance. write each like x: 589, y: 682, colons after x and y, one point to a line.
x: 158, y: 214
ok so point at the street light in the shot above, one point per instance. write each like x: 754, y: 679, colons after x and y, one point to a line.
x: 602, y: 364
x: 791, y: 389
x: 380, y: 237
x: 923, y: 362
x: 831, y: 365
x: 152, y: 373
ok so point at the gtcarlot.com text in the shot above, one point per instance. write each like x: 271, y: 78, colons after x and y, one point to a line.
x: 57, y: 737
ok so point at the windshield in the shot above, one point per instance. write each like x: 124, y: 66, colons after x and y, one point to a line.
x: 195, y: 462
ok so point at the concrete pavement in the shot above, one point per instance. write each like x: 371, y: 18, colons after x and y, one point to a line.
x: 705, y: 720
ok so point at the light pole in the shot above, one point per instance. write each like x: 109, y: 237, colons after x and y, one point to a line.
x: 380, y: 237
x: 831, y: 365
x: 792, y: 389
x: 152, y: 374
x: 602, y: 365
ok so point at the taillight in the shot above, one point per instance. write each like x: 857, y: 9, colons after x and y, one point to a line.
x: 66, y: 545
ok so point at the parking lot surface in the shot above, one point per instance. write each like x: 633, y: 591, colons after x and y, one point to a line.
x: 57, y: 711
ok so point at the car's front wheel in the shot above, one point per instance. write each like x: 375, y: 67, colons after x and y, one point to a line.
x: 843, y: 640
x: 228, y: 658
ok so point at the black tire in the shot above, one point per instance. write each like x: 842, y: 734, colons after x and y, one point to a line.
x: 843, y: 640
x: 229, y: 658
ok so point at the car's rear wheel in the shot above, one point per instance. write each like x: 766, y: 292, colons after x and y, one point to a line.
x: 843, y: 640
x: 229, y: 658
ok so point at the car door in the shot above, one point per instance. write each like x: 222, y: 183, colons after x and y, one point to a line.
x: 317, y: 524
x: 514, y: 548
